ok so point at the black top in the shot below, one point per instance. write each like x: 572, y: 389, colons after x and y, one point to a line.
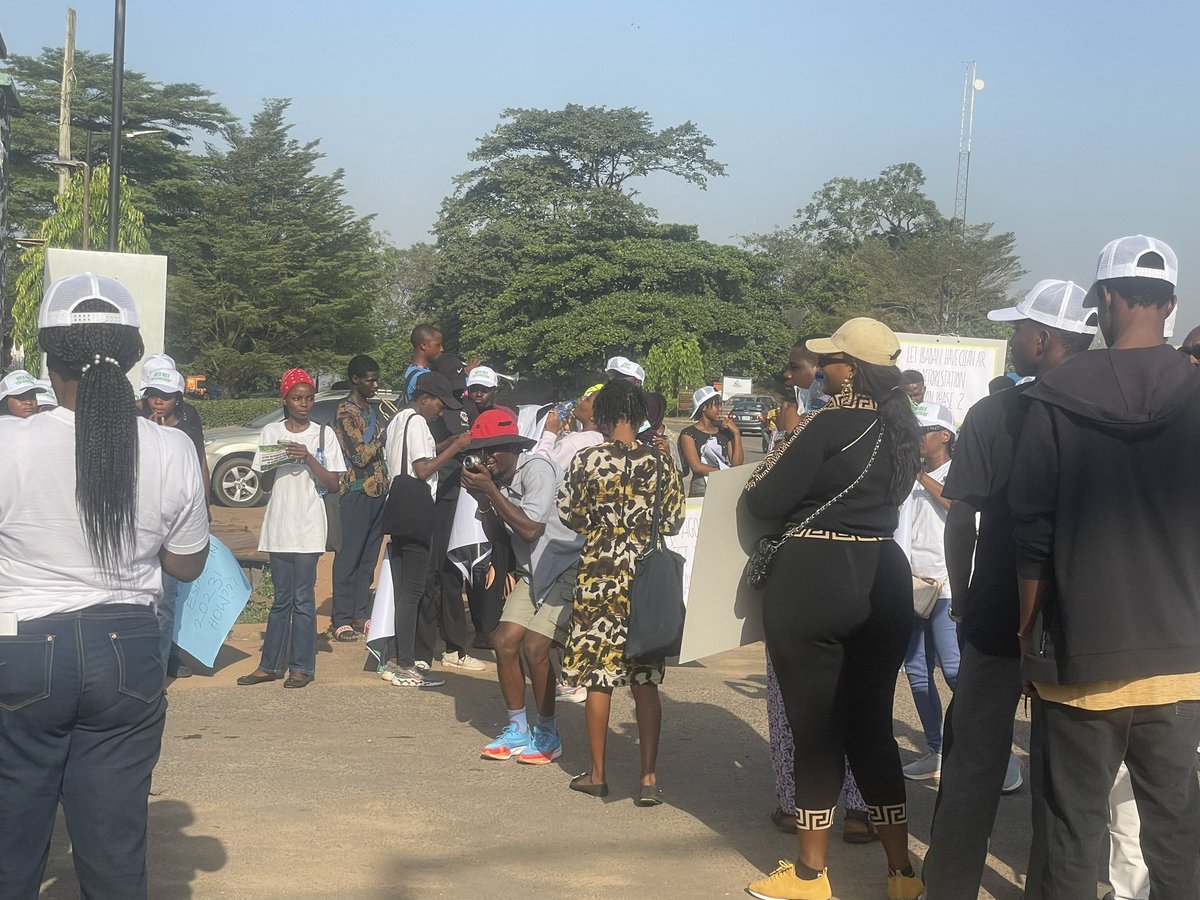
x: 450, y: 423
x: 821, y: 461
x: 983, y: 461
x: 724, y: 438
x: 188, y: 421
x: 1104, y: 491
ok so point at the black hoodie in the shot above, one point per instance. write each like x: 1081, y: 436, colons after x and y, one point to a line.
x: 1105, y: 495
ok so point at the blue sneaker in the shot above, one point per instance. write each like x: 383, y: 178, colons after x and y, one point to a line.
x: 512, y: 742
x: 544, y: 747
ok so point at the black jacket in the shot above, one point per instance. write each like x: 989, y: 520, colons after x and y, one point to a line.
x: 1105, y: 494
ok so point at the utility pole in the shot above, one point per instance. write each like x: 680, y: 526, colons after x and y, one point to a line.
x: 64, y: 99
x: 118, y: 123
x: 971, y: 86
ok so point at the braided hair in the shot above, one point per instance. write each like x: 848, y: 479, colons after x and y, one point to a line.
x: 902, y: 434
x: 619, y: 401
x: 106, y: 431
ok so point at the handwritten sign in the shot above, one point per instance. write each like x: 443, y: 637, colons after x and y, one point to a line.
x: 684, y: 543
x: 208, y: 607
x: 957, y: 370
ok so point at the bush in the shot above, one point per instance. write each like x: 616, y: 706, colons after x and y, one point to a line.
x: 215, y: 413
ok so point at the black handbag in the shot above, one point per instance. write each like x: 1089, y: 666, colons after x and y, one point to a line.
x: 333, y: 506
x: 656, y: 608
x: 408, y: 510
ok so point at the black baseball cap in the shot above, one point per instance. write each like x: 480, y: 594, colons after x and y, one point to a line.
x: 438, y: 386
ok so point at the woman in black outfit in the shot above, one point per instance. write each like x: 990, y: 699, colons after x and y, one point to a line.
x: 837, y: 608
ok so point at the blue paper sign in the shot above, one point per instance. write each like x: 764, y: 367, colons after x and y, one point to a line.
x: 208, y: 607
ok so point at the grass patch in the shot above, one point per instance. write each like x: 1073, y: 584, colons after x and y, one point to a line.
x: 257, y: 609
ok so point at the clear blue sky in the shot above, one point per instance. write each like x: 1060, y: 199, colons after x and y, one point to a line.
x: 1087, y: 128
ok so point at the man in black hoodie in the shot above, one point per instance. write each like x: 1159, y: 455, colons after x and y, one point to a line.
x: 1103, y: 488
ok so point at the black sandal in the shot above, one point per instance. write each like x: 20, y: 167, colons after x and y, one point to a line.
x: 298, y: 680
x: 594, y: 790
x: 255, y: 678
x: 651, y: 795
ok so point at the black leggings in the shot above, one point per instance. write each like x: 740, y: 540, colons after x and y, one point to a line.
x: 838, y: 616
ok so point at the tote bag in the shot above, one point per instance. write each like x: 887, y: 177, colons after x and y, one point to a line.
x: 408, y: 510
x: 656, y: 607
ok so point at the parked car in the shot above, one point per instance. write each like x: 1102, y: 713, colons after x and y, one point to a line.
x: 230, y: 449
x: 749, y: 413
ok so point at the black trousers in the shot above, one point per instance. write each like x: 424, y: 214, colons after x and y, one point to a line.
x: 838, y: 616
x: 1075, y: 767
x: 354, y: 565
x: 487, y: 602
x: 975, y: 750
x: 442, y: 603
x: 409, y: 562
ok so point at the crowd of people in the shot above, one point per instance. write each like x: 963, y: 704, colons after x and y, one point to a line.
x: 1031, y: 549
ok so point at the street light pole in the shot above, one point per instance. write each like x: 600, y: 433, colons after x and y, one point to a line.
x: 114, y: 156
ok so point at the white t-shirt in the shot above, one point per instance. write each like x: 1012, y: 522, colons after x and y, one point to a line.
x: 421, y: 445
x: 924, y: 521
x: 45, y: 564
x: 561, y: 448
x: 295, y: 517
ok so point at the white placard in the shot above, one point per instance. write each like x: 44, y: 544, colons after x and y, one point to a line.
x: 732, y: 385
x: 956, y: 369
x: 684, y: 543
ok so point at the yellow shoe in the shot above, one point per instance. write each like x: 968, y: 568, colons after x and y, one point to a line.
x: 785, y: 884
x: 905, y: 887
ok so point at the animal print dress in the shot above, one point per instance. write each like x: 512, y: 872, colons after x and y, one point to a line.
x: 608, y: 497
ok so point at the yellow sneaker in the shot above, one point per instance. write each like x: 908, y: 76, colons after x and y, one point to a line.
x: 905, y: 887
x: 785, y: 884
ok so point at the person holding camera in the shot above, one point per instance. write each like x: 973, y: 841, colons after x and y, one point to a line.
x: 712, y: 443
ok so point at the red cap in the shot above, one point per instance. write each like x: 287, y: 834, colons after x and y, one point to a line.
x: 497, y: 427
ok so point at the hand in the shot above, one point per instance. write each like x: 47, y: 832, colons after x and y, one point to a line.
x: 729, y: 424
x: 296, y: 451
x: 461, y: 442
x: 158, y: 419
x: 553, y: 423
x: 478, y: 481
x: 663, y: 445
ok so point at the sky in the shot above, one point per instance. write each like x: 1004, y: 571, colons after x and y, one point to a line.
x: 1085, y: 131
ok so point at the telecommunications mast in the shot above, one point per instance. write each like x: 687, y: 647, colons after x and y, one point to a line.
x: 971, y: 86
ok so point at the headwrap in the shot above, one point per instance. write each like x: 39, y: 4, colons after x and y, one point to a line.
x: 293, y: 377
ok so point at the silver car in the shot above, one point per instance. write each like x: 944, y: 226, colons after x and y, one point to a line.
x: 230, y: 449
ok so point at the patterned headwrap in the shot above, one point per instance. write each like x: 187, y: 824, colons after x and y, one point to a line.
x: 293, y: 377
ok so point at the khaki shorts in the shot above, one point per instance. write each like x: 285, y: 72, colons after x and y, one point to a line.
x: 553, y: 618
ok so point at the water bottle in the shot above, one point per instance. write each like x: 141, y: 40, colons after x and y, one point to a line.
x: 817, y: 391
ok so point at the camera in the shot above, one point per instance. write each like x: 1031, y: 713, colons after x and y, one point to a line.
x: 472, y: 461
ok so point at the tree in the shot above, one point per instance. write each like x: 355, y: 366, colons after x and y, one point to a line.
x: 674, y: 367
x: 274, y: 269
x: 405, y: 274
x: 64, y: 228
x: 847, y: 211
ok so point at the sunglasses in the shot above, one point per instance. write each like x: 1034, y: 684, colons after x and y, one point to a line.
x: 1192, y: 351
x: 831, y: 360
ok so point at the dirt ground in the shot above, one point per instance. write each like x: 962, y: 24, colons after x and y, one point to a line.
x: 353, y: 788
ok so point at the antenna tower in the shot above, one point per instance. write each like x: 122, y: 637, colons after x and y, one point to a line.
x: 971, y: 86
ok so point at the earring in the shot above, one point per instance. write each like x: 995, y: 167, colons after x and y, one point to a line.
x: 847, y: 385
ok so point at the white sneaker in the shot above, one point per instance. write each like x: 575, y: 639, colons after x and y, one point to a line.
x: 1013, y: 778
x: 565, y: 694
x: 460, y: 660
x: 928, y: 766
x: 422, y: 665
x: 387, y: 670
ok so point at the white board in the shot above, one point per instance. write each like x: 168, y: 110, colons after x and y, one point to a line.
x: 732, y: 385
x: 956, y: 369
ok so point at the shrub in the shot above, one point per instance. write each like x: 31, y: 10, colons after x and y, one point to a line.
x: 215, y: 413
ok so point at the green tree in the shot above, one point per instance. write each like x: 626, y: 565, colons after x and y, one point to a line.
x: 274, y: 269
x: 64, y: 228
x: 405, y: 273
x: 674, y: 367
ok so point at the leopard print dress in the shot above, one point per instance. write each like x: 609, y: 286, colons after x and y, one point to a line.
x: 608, y: 497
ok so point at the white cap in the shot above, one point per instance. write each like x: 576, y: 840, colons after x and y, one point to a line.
x: 18, y: 382
x: 46, y: 395
x: 701, y: 397
x: 1058, y: 304
x: 934, y: 415
x: 627, y: 367
x: 1122, y: 258
x: 64, y: 295
x: 482, y: 376
x: 166, y: 380
x: 158, y: 361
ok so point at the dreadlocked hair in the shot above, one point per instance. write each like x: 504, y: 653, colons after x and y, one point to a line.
x: 106, y: 431
x: 619, y: 401
x: 901, y: 432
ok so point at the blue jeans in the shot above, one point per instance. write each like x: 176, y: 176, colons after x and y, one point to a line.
x: 294, y: 610
x: 81, y: 720
x: 165, y: 610
x: 934, y: 640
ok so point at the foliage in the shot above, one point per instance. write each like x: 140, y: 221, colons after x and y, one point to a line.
x: 222, y: 412
x: 64, y: 228
x: 405, y: 274
x: 274, y: 269
x: 673, y: 367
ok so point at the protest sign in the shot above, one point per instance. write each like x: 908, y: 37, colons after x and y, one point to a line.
x: 208, y: 607
x: 684, y: 543
x: 723, y: 612
x: 956, y: 369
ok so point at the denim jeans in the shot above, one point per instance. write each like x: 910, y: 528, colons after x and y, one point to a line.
x: 934, y: 640
x: 292, y: 622
x: 81, y: 720
x: 165, y: 610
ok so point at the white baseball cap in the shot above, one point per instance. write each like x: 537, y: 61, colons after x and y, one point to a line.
x: 482, y: 376
x: 46, y: 395
x: 1052, y: 302
x: 700, y: 397
x: 18, y: 382
x: 64, y: 295
x: 158, y: 361
x: 934, y: 415
x: 627, y: 367
x: 166, y: 380
x: 1122, y: 258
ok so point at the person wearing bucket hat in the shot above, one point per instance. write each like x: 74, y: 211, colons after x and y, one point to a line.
x: 518, y: 491
x: 711, y: 443
x: 837, y: 604
x: 19, y: 394
x: 95, y: 505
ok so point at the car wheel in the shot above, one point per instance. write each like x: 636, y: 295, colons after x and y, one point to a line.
x: 235, y: 484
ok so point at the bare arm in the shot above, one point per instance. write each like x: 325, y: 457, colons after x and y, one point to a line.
x: 960, y: 552
x: 423, y: 468
x: 934, y: 487
x: 691, y: 456
x: 185, y: 567
x: 737, y: 452
x: 479, y: 482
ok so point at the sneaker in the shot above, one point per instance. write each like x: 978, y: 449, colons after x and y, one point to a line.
x: 422, y: 665
x: 387, y: 670
x: 1013, y: 778
x: 928, y: 766
x: 415, y: 677
x: 512, y: 742
x: 566, y: 694
x: 905, y: 887
x: 544, y: 747
x: 785, y: 884
x: 460, y: 660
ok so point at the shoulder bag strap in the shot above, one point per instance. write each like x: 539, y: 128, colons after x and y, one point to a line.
x: 404, y: 447
x: 655, y: 533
